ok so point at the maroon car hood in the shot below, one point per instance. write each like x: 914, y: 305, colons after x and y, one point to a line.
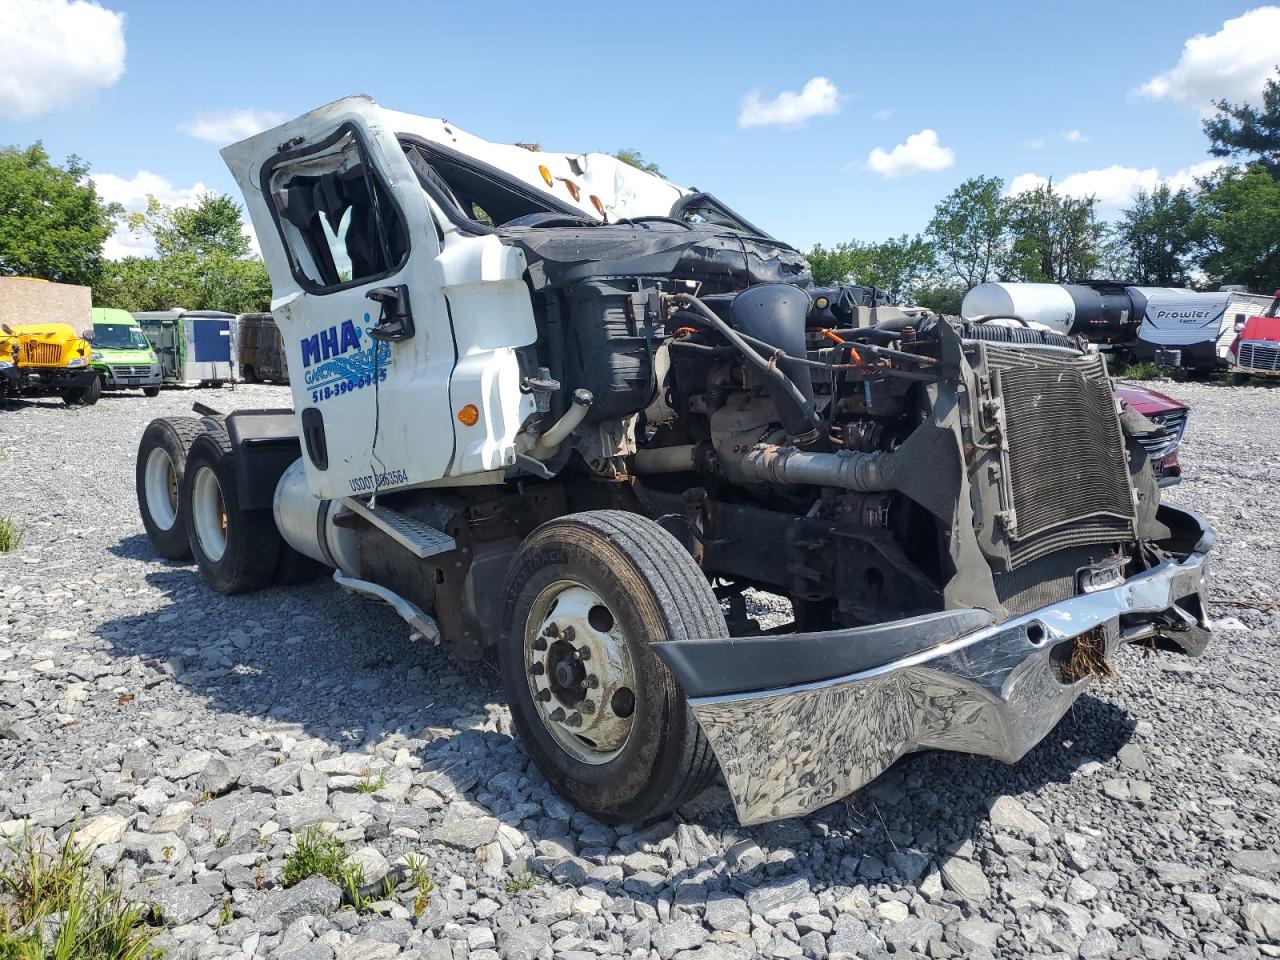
x: 1147, y: 401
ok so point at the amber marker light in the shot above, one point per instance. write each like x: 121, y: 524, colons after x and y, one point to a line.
x: 546, y: 175
x: 469, y: 415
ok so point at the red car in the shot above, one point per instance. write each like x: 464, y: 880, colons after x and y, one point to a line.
x: 1170, y: 414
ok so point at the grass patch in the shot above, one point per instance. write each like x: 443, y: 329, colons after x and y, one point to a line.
x: 422, y: 885
x: 54, y: 906
x: 321, y: 854
x: 371, y: 786
x: 519, y: 882
x: 1140, y: 371
x: 11, y: 533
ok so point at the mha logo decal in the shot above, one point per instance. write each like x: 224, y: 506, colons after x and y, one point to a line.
x: 345, y: 358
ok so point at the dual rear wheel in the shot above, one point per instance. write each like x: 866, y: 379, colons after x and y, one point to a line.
x: 190, y: 506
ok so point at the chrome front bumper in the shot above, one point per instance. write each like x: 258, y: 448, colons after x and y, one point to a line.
x: 996, y: 690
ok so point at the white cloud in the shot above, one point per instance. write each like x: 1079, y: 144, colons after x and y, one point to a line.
x: 1066, y: 136
x: 1185, y: 179
x: 819, y: 97
x: 1025, y: 183
x: 53, y: 52
x: 228, y: 126
x: 1114, y: 186
x: 132, y: 195
x: 921, y: 151
x: 1232, y: 64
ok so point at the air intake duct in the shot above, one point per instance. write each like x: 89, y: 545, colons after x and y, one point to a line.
x: 775, y: 314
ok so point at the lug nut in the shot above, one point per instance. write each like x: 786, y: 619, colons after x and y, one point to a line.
x: 592, y: 681
x: 584, y: 653
x: 587, y: 706
x: 552, y: 630
x: 557, y: 714
x: 542, y: 696
x: 539, y: 643
x: 537, y: 669
x: 575, y: 719
x: 567, y: 636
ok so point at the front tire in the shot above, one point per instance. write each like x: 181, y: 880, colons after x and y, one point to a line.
x: 85, y: 396
x: 1240, y: 379
x: 151, y: 391
x: 236, y: 550
x: 601, y: 716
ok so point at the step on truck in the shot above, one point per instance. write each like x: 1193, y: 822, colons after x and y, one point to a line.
x: 559, y: 411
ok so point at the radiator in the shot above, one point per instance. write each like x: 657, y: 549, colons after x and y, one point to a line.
x: 1068, y: 475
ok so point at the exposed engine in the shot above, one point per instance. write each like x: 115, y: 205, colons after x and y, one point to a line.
x: 867, y: 461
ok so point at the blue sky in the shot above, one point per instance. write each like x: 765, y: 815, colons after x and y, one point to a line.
x: 1019, y: 90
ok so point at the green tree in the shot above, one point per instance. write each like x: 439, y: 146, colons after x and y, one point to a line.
x: 1238, y: 223
x: 896, y: 266
x: 213, y: 225
x: 1244, y: 132
x: 204, y: 262
x: 1055, y: 238
x: 52, y: 221
x: 1155, y: 238
x: 970, y: 231
x: 633, y: 157
x: 940, y: 297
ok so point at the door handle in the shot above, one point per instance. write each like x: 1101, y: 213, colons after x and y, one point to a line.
x: 395, y: 318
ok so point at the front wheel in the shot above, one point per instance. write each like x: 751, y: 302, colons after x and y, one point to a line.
x: 601, y: 716
x: 1240, y: 379
x: 151, y: 391
x: 85, y: 396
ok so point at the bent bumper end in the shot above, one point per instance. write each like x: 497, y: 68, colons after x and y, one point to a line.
x: 995, y: 689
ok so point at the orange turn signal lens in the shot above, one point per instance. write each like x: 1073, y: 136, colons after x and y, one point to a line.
x: 573, y: 189
x: 546, y: 175
x: 469, y: 415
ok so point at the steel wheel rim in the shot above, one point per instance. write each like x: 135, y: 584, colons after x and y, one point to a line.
x: 209, y: 513
x: 160, y: 482
x: 580, y: 671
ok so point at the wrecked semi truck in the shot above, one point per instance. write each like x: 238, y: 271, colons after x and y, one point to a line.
x: 562, y: 413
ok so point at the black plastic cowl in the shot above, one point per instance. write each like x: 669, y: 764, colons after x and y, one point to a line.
x: 775, y: 313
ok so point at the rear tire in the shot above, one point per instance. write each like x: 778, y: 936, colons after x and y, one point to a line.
x: 162, y: 458
x: 248, y: 375
x: 236, y: 550
x: 628, y: 747
x: 85, y: 396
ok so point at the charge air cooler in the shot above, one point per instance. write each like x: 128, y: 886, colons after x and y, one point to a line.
x: 1064, y: 476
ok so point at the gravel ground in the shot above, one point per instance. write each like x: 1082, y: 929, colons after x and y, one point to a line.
x: 194, y: 737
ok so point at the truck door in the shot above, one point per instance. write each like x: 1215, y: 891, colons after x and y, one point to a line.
x: 357, y: 293
x: 167, y: 343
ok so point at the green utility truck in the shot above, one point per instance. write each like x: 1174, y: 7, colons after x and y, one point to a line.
x: 122, y: 356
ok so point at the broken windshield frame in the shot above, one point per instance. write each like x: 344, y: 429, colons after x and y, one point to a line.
x: 475, y: 184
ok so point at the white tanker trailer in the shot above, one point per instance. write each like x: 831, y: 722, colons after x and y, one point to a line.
x: 1171, y: 326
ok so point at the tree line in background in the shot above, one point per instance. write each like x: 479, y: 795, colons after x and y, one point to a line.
x: 1226, y: 229
x: 53, y: 225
